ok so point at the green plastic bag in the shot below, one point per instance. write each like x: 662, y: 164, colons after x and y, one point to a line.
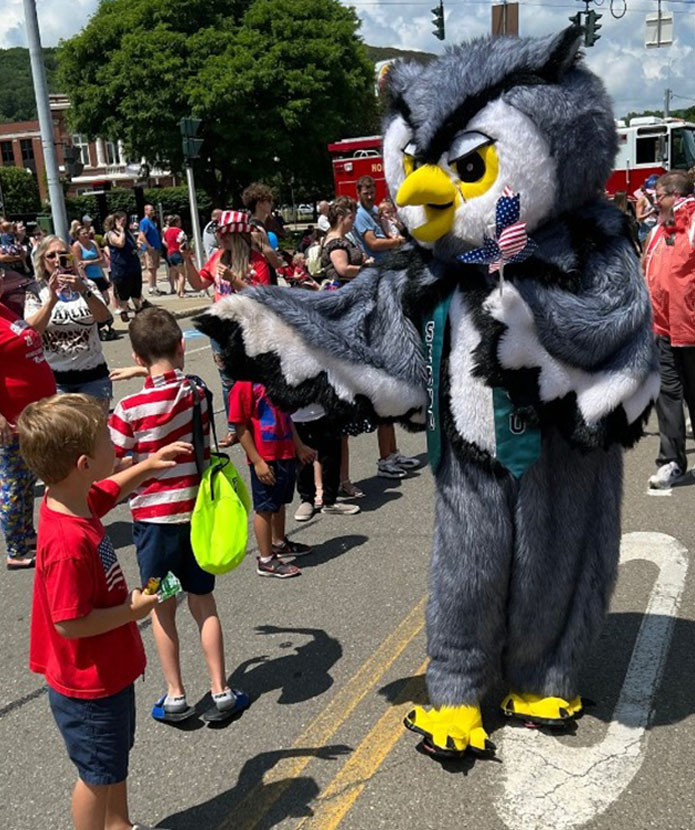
x: 219, y: 524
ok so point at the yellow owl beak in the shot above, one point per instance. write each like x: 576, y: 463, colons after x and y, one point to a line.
x: 430, y: 187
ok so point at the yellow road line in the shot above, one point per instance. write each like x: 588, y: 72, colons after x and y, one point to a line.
x: 337, y: 799
x: 254, y: 806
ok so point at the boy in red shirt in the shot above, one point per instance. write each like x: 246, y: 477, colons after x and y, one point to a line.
x: 272, y: 446
x: 84, y: 639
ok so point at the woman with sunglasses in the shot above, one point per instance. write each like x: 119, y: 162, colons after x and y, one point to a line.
x: 66, y: 309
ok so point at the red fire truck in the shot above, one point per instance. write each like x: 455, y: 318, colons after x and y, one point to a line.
x: 355, y: 157
x: 647, y: 145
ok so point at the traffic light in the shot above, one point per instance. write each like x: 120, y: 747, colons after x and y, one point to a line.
x: 576, y: 19
x: 591, y: 27
x: 191, y: 144
x: 72, y: 157
x: 438, y: 20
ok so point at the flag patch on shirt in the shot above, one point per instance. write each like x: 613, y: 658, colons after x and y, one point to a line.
x: 112, y: 569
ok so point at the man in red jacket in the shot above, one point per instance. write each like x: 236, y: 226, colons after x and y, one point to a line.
x: 669, y: 266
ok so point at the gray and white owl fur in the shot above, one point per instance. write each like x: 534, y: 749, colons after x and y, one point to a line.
x: 522, y: 568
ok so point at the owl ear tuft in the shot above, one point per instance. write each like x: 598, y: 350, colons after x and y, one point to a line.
x: 398, y: 77
x: 563, y: 53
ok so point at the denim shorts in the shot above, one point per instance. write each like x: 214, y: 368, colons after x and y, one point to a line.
x: 163, y: 547
x: 175, y: 259
x: 269, y: 498
x: 101, y: 388
x: 98, y: 734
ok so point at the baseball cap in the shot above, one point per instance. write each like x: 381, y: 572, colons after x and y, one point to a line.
x: 86, y: 218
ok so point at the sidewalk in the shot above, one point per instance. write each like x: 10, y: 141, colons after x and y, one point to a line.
x: 193, y: 303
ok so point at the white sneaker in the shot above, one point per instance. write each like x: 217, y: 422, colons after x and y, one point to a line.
x: 404, y: 461
x: 304, y: 512
x: 664, y: 477
x: 340, y: 509
x: 387, y: 468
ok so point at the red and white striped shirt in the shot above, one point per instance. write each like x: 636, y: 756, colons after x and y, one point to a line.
x: 149, y: 420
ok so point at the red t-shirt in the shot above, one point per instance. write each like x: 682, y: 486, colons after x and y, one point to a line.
x: 77, y: 571
x: 173, y: 239
x: 25, y: 376
x: 271, y: 427
x: 260, y: 274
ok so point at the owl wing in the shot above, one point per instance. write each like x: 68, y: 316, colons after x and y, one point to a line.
x: 353, y: 350
x: 590, y: 347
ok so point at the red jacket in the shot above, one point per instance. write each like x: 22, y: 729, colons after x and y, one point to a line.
x: 669, y: 267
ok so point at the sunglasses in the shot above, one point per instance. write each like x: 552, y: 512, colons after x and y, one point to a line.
x: 55, y: 254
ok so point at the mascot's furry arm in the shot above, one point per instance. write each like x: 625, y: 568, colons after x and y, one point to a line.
x: 585, y: 332
x: 352, y: 350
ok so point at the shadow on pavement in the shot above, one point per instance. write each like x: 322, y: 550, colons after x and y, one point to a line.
x: 604, y: 673
x: 286, y: 797
x: 331, y: 549
x: 300, y: 675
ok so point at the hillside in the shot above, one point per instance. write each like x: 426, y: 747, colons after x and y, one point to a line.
x: 17, y: 90
x: 386, y: 53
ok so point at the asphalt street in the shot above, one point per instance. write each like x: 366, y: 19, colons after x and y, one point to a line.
x: 334, y: 659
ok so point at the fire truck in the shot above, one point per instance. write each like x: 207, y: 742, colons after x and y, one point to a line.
x: 647, y: 145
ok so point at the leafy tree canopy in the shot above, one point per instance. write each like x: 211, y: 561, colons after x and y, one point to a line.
x: 269, y: 79
x: 17, y: 102
x: 19, y: 191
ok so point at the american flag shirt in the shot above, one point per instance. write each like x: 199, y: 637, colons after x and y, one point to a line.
x: 77, y: 572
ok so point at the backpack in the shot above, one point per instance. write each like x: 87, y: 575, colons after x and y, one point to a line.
x: 219, y: 522
x: 313, y: 259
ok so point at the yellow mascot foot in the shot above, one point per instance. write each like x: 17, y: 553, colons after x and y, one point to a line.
x: 542, y: 711
x: 451, y: 730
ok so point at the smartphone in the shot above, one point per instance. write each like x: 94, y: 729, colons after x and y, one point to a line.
x: 65, y: 262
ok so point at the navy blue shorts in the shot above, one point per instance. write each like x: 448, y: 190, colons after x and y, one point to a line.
x: 167, y: 547
x: 175, y: 259
x: 271, y: 498
x: 98, y: 734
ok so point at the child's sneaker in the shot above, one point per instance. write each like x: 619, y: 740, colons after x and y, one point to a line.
x: 276, y: 567
x: 340, y: 509
x: 288, y: 548
x: 387, y: 468
x: 304, y: 512
x: 407, y: 462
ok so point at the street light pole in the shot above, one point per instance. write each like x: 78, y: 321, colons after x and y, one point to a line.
x: 195, y: 221
x: 38, y: 72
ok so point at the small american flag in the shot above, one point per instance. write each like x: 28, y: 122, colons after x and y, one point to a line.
x: 112, y: 570
x: 511, y: 242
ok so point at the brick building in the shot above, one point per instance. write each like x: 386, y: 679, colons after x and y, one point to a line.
x: 105, y: 163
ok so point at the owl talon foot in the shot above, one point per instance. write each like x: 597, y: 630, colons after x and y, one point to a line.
x: 450, y: 731
x: 534, y: 710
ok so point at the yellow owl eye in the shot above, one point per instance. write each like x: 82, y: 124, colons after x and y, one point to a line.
x: 477, y: 171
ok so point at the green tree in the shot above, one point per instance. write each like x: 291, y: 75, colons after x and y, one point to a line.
x: 19, y: 190
x: 270, y: 79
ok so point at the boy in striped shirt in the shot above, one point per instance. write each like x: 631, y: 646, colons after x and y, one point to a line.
x: 142, y: 423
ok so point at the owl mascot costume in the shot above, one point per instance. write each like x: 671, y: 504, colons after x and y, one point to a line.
x: 516, y: 331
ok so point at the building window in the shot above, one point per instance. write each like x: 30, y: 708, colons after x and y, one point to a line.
x: 110, y: 152
x: 80, y: 142
x: 27, y: 146
x: 7, y: 154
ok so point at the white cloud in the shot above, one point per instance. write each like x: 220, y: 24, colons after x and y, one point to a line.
x: 636, y: 77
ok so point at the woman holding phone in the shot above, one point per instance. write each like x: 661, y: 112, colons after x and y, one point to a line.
x: 65, y: 309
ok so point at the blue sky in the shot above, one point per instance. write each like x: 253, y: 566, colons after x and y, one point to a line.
x: 636, y: 77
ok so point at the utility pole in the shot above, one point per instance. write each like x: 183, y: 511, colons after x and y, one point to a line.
x: 667, y: 102
x: 191, y: 150
x: 38, y: 72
